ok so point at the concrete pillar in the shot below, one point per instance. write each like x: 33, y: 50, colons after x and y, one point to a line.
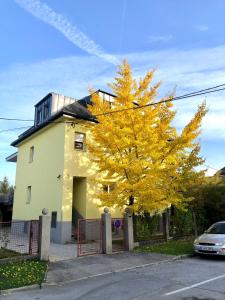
x: 128, y: 230
x: 44, y: 235
x: 106, y: 232
x: 166, y: 225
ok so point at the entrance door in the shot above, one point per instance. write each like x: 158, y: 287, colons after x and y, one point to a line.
x: 79, y: 202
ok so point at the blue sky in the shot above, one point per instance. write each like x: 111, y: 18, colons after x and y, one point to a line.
x: 68, y: 46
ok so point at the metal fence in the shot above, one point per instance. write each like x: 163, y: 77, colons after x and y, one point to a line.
x: 118, y: 235
x: 89, y: 237
x: 19, y: 238
x: 148, y: 228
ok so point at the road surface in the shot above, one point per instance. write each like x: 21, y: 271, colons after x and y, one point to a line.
x: 192, y: 278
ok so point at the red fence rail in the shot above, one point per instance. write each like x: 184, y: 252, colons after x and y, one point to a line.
x: 19, y: 238
x: 89, y: 237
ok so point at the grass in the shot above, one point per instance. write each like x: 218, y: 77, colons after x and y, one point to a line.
x: 6, y: 253
x: 172, y: 248
x: 17, y: 274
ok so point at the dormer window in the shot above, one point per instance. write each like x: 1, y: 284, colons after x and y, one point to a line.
x: 107, y: 98
x: 39, y: 115
x: 46, y: 110
x: 43, y: 110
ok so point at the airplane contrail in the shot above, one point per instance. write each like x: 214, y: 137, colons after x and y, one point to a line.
x: 45, y: 13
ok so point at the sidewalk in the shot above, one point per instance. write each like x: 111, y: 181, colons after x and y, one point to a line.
x: 97, y: 265
x: 60, y: 252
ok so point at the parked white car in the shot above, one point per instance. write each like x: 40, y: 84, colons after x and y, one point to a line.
x: 212, y: 241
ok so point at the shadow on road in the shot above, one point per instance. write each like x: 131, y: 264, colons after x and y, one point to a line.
x: 210, y: 257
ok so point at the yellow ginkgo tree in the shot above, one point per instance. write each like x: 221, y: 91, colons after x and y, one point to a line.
x: 138, y: 152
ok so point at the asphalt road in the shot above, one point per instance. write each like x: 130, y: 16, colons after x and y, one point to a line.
x: 188, y: 279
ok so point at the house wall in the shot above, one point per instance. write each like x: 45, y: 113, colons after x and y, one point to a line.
x: 77, y: 164
x: 54, y: 155
x: 41, y: 174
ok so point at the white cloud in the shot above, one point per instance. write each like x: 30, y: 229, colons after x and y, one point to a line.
x: 210, y: 172
x: 202, y: 28
x: 160, y: 38
x: 22, y: 85
x: 43, y: 12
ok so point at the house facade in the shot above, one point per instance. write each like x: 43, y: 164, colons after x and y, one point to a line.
x: 54, y: 169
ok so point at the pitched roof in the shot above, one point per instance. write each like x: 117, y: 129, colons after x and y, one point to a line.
x: 76, y: 110
x: 221, y: 172
x: 12, y: 157
x: 87, y: 100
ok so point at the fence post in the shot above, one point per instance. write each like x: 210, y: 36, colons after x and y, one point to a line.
x: 166, y: 224
x: 106, y: 232
x: 128, y: 230
x: 44, y: 235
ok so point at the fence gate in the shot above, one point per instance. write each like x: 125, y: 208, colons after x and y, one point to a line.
x: 118, y: 243
x: 34, y: 237
x: 89, y: 237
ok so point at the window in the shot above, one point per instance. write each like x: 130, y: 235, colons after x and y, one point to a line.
x: 46, y: 110
x: 31, y: 158
x: 54, y: 219
x: 28, y: 194
x: 79, y: 143
x: 109, y: 187
x: 108, y: 99
x: 39, y: 115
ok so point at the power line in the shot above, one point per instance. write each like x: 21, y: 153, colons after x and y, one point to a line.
x: 27, y: 127
x: 14, y: 119
x: 13, y: 129
x: 208, y: 166
x: 189, y: 95
x: 194, y: 94
x: 203, y: 90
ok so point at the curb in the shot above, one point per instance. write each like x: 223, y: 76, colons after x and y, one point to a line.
x: 47, y: 284
x: 117, y: 271
x: 22, y: 288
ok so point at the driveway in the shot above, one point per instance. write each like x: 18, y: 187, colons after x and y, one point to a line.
x: 185, y: 279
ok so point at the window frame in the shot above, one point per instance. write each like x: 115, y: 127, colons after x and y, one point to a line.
x: 54, y: 219
x: 29, y: 194
x: 83, y: 143
x: 31, y: 154
x: 46, y: 109
x: 108, y: 188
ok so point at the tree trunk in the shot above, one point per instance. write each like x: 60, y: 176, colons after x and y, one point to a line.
x: 195, y: 223
x: 166, y: 224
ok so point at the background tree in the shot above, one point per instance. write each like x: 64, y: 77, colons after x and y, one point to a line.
x: 5, y: 186
x: 139, y: 149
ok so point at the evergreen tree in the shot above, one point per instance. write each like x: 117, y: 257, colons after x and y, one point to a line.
x: 5, y: 187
